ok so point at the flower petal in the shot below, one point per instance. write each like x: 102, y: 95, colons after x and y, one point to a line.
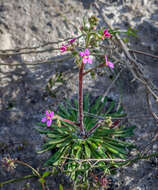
x: 51, y: 114
x: 71, y: 41
x: 49, y: 121
x: 63, y: 48
x: 43, y: 119
x: 106, y: 60
x: 108, y: 35
x: 84, y: 60
x: 82, y: 54
x: 89, y: 60
x: 105, y: 31
x: 111, y: 65
x: 47, y: 113
x: 86, y: 52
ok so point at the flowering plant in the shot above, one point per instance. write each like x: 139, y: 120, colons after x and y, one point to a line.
x: 84, y: 135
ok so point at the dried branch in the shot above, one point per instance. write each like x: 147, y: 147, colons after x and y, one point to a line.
x: 40, y: 46
x: 98, y: 160
x: 57, y: 59
x: 28, y: 52
x: 126, y: 161
x: 93, y: 69
x: 144, y: 53
x: 150, y: 106
x: 113, y: 82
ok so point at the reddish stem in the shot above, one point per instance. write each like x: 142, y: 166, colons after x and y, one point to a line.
x: 80, y: 100
x: 94, y: 128
x: 67, y: 121
x: 90, y: 70
x: 115, y: 123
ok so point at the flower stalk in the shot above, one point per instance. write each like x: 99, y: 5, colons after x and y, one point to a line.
x: 94, y: 128
x: 66, y: 120
x: 86, y: 59
x: 80, y: 100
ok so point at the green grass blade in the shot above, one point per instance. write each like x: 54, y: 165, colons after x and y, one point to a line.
x: 110, y: 108
x: 46, y: 149
x: 87, y: 151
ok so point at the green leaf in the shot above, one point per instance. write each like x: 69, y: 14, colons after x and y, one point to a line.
x: 116, y: 114
x: 93, y: 148
x: 54, y: 136
x: 120, y: 109
x: 124, y: 132
x: 62, y: 130
x: 75, y: 102
x: 118, y: 142
x: 110, y: 108
x: 46, y: 173
x: 61, y: 187
x: 71, y: 110
x: 75, y: 150
x: 41, y: 180
x: 92, y: 75
x: 55, y: 157
x: 46, y: 149
x: 103, y: 132
x: 99, y: 150
x: 110, y: 149
x: 78, y: 153
x: 44, y: 131
x: 56, y: 141
x: 65, y: 143
x: 125, y: 40
x: 63, y: 109
x: 101, y: 106
x: 96, y: 105
x: 114, y: 149
x: 41, y: 124
x: 87, y: 151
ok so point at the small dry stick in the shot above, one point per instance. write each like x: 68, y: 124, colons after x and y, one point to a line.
x: 57, y: 59
x: 144, y: 53
x: 40, y: 46
x: 113, y: 82
x: 93, y: 159
x: 28, y: 52
x: 150, y: 107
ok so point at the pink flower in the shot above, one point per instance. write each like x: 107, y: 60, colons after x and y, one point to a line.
x: 72, y: 41
x: 106, y: 34
x: 108, y: 63
x: 63, y: 48
x: 86, y: 58
x: 48, y: 118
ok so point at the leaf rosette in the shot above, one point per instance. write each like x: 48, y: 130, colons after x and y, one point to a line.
x: 78, y: 157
